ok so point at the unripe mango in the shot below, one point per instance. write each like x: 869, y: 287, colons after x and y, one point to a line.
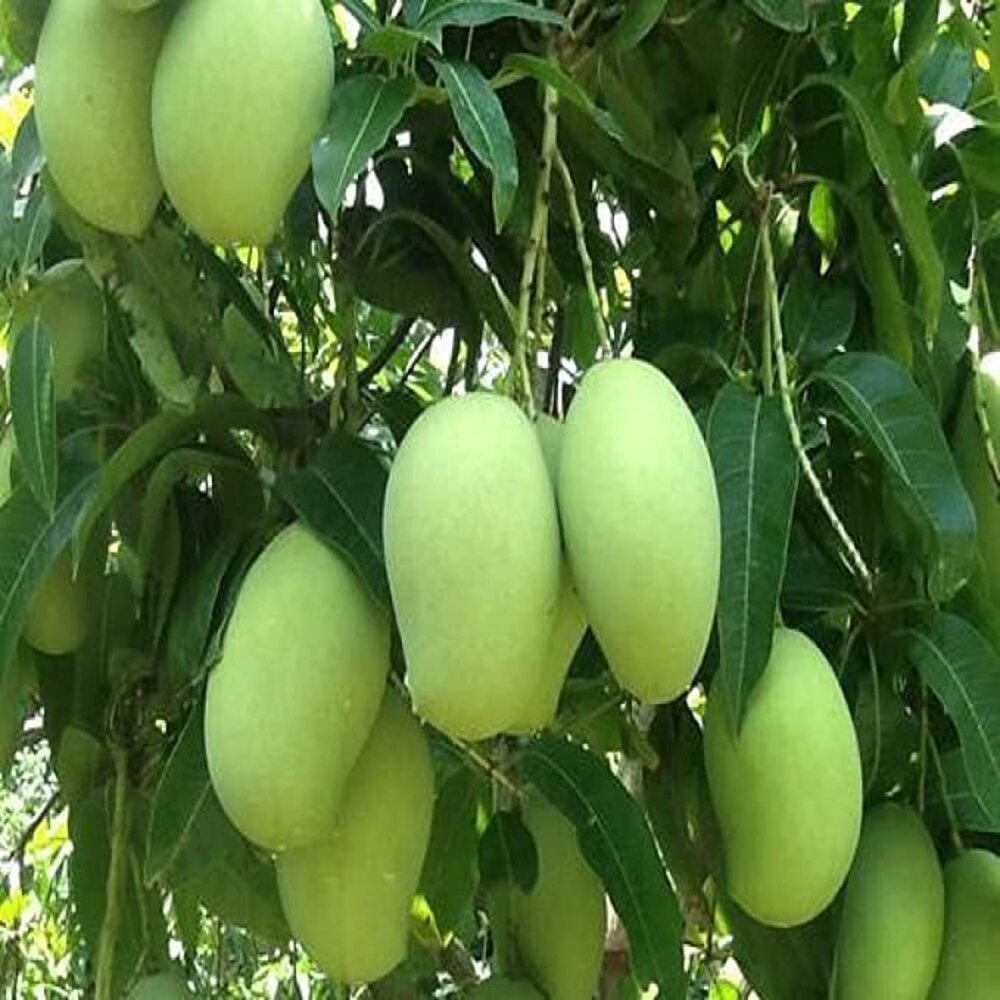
x: 559, y: 926
x: 242, y: 89
x: 472, y: 553
x: 499, y: 988
x: 93, y: 87
x: 788, y: 790
x: 163, y: 986
x: 640, y: 518
x: 970, y: 958
x: 131, y: 5
x: 892, y: 923
x: 70, y: 306
x: 348, y: 897
x: 292, y: 701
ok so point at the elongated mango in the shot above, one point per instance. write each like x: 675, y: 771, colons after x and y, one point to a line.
x: 241, y: 91
x: 640, y: 518
x: 291, y: 703
x: 93, y: 87
x: 788, y: 789
x: 892, y: 922
x: 348, y: 897
x: 472, y: 553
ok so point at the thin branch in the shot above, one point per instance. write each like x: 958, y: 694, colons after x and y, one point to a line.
x: 956, y: 836
x: 29, y: 831
x: 488, y: 767
x: 116, y: 872
x: 924, y: 734
x: 403, y: 329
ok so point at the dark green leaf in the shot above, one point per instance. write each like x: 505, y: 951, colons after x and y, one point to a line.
x: 789, y: 15
x: 15, y: 697
x: 339, y: 495
x: 33, y: 403
x: 756, y: 470
x: 391, y: 43
x: 507, y: 853
x: 817, y: 315
x: 7, y: 224
x: 33, y: 228
x: 618, y: 844
x: 472, y: 13
x: 970, y: 813
x: 362, y: 13
x: 896, y: 418
x: 483, y: 124
x: 919, y: 26
x: 638, y: 20
x: 27, y: 157
x: 363, y: 112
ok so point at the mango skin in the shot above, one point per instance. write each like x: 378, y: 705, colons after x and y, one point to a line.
x: 131, y: 5
x: 472, y: 552
x: 788, y: 792
x: 93, y: 87
x: 970, y: 958
x: 291, y: 702
x: 640, y: 517
x: 559, y: 927
x: 499, y: 988
x: 242, y: 89
x: 347, y: 899
x: 892, y: 923
x: 163, y: 986
x: 70, y: 306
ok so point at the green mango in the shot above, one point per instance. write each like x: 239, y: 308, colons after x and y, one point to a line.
x: 569, y: 622
x: 556, y: 931
x: 892, y: 922
x: 299, y: 684
x: 93, y: 85
x: 970, y: 958
x: 163, y: 986
x: 640, y: 517
x: 241, y: 91
x: 348, y: 898
x: 70, y: 306
x: 788, y: 790
x: 472, y: 553
x: 499, y: 988
x: 131, y: 6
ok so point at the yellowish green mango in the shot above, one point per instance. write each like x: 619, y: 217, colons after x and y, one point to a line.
x: 348, y: 898
x: 70, y: 306
x: 558, y: 928
x: 93, y: 89
x: 892, y: 922
x: 499, y: 988
x: 131, y: 5
x: 640, y: 518
x: 472, y: 553
x: 242, y: 89
x: 788, y: 790
x: 970, y: 958
x: 293, y: 699
x: 163, y: 986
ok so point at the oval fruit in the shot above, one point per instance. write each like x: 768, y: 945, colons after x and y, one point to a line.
x: 70, y: 306
x: 348, y: 898
x: 291, y: 703
x: 241, y: 91
x: 970, y: 958
x: 93, y: 86
x: 163, y: 986
x: 640, y: 518
x: 131, y: 5
x: 788, y: 791
x: 61, y: 611
x: 472, y: 553
x: 893, y: 909
x: 499, y: 988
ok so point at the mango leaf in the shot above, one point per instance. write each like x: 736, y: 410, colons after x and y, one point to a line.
x: 33, y: 402
x: 963, y: 670
x: 789, y: 15
x: 507, y: 853
x: 920, y: 19
x: 362, y: 13
x: 27, y: 157
x: 969, y: 810
x: 757, y: 475
x: 638, y: 20
x: 15, y: 698
x: 340, y: 495
x: 391, y: 42
x: 618, y: 844
x: 7, y: 224
x: 33, y: 228
x: 896, y: 418
x: 483, y: 124
x: 363, y: 113
x: 439, y: 14
x: 817, y: 314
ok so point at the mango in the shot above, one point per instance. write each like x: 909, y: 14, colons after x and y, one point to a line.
x: 472, y: 552
x: 788, y: 789
x: 70, y: 306
x: 499, y: 988
x: 640, y: 518
x: 298, y: 687
x: 557, y: 928
x: 163, y: 986
x: 347, y: 898
x: 131, y: 5
x: 241, y: 91
x: 970, y: 958
x: 892, y: 922
x: 93, y: 87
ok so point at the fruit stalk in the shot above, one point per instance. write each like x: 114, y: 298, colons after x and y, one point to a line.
x: 104, y: 986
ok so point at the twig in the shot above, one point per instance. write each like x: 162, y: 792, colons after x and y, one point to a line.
x: 116, y: 870
x: 922, y: 753
x: 29, y: 831
x: 956, y: 836
x: 489, y: 768
x: 877, y: 695
x: 389, y: 348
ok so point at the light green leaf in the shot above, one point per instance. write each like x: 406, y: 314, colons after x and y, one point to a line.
x: 440, y: 14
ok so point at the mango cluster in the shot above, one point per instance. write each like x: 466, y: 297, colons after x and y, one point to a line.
x: 217, y: 103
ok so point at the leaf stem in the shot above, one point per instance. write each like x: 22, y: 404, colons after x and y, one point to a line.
x: 956, y: 836
x: 117, y: 866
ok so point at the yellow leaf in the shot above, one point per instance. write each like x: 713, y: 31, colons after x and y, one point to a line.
x: 14, y: 106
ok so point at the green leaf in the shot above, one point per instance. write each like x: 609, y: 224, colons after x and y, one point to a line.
x: 340, y: 495
x: 33, y: 402
x: 969, y: 811
x: 963, y: 670
x: 7, y: 223
x: 363, y: 113
x: 639, y: 19
x: 472, y: 13
x: 79, y: 763
x: 15, y: 697
x: 920, y: 19
x: 817, y: 315
x: 899, y: 422
x: 757, y: 474
x: 483, y: 124
x: 33, y: 228
x: 362, y: 13
x: 507, y: 853
x: 789, y: 15
x: 392, y: 43
x: 618, y: 844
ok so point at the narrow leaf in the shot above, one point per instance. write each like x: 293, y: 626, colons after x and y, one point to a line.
x: 970, y: 813
x: 618, y: 844
x: 789, y: 15
x: 472, y: 13
x: 507, y: 853
x: 757, y: 475
x: 639, y: 19
x: 362, y: 13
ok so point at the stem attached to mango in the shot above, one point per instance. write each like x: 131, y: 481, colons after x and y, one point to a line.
x: 117, y: 868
